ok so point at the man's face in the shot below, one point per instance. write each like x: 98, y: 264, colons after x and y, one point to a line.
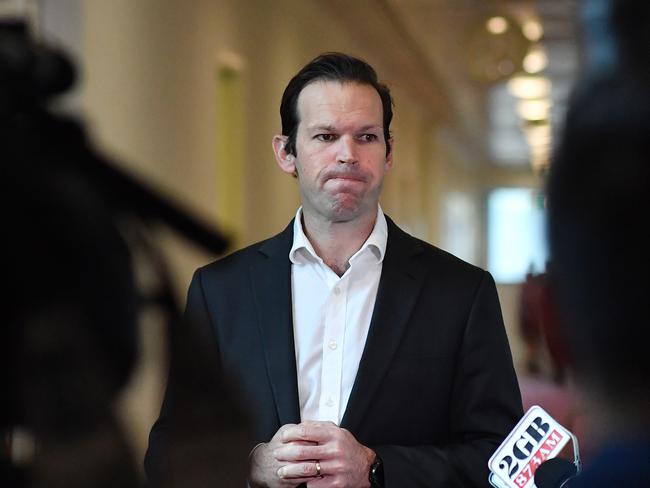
x: 341, y: 152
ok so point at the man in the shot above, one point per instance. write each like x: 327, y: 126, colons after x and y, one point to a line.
x: 369, y: 357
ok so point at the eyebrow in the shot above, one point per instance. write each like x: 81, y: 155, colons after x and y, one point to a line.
x: 331, y: 128
x: 327, y: 128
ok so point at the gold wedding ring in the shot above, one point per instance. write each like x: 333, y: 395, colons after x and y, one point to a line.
x: 318, y: 469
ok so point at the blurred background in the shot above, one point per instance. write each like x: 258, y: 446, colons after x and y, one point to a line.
x: 185, y: 96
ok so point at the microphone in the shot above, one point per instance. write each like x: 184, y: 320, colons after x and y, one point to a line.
x: 555, y: 473
x: 536, y: 439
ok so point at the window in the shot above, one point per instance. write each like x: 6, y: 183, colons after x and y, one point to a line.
x: 516, y: 234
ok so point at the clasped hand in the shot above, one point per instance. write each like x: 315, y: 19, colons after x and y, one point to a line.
x: 320, y: 454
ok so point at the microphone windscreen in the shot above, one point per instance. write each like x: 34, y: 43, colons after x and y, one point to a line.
x: 554, y: 473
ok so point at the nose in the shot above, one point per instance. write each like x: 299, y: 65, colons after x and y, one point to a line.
x: 347, y: 151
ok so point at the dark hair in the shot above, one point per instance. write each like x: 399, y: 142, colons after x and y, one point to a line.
x: 598, y: 205
x: 331, y: 67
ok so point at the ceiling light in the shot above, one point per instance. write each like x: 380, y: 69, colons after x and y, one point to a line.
x: 497, y: 25
x: 534, y: 109
x: 536, y: 60
x: 529, y: 87
x: 538, y: 135
x: 533, y: 30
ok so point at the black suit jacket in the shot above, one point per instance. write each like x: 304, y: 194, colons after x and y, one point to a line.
x: 435, y: 392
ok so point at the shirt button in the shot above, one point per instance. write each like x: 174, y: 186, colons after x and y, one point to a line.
x: 333, y: 345
x: 330, y: 402
x: 337, y: 290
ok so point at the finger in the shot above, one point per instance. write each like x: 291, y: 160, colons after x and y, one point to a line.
x: 322, y: 482
x: 314, y: 431
x: 279, y: 433
x: 292, y: 482
x: 293, y: 471
x: 325, y: 481
x: 295, y: 451
x: 300, y: 443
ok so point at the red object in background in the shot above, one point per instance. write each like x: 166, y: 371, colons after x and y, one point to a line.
x: 540, y: 322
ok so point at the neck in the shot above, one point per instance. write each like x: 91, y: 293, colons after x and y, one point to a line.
x: 336, y: 242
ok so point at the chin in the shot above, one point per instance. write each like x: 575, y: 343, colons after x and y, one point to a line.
x: 345, y: 211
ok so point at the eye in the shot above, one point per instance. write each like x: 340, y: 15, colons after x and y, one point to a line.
x: 368, y: 137
x: 325, y: 137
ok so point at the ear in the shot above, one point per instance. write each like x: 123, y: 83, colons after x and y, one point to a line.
x: 389, y: 155
x: 286, y: 161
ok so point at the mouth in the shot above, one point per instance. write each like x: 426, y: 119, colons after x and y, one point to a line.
x: 346, y: 177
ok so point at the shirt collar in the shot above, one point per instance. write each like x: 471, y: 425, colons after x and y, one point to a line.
x: 302, y: 250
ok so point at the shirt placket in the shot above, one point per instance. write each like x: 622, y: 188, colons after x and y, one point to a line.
x: 332, y: 365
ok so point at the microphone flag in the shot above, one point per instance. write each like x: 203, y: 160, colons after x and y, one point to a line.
x: 536, y: 438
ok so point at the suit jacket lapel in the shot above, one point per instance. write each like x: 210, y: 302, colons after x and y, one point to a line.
x: 399, y: 287
x: 271, y: 279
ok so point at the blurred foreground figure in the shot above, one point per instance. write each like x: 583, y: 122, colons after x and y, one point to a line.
x: 71, y: 224
x: 599, y: 205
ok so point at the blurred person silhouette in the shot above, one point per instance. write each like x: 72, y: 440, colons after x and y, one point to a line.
x: 599, y: 202
x: 71, y: 225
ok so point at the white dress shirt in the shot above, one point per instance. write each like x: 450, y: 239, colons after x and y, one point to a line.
x: 331, y: 318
